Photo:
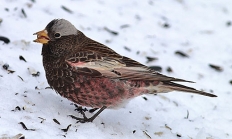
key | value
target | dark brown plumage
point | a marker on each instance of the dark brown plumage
(91, 74)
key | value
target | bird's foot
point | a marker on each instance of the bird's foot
(86, 119)
(82, 111)
(82, 120)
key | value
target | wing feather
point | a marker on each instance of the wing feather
(123, 68)
(102, 61)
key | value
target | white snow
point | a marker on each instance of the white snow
(198, 28)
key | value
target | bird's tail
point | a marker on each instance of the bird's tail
(167, 86)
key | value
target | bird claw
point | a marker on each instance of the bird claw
(81, 120)
(82, 111)
(79, 108)
(86, 119)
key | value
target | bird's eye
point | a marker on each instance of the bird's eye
(57, 35)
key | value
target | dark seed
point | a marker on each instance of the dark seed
(181, 54)
(156, 68)
(145, 98)
(10, 71)
(18, 108)
(6, 9)
(228, 23)
(231, 82)
(169, 69)
(126, 48)
(36, 74)
(151, 2)
(5, 66)
(138, 17)
(56, 121)
(4, 39)
(66, 9)
(217, 68)
(166, 25)
(125, 26)
(110, 31)
(150, 59)
(24, 13)
(22, 58)
(134, 131)
(178, 135)
(66, 130)
(108, 41)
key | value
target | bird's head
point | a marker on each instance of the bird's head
(55, 30)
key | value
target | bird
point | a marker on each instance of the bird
(92, 74)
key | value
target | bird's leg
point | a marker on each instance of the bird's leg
(85, 119)
(96, 114)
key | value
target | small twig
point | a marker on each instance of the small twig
(42, 119)
(20, 77)
(147, 134)
(24, 13)
(24, 126)
(110, 31)
(217, 68)
(4, 39)
(181, 54)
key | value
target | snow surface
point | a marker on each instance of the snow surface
(157, 28)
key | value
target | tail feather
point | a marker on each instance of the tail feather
(167, 86)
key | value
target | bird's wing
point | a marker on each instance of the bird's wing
(112, 65)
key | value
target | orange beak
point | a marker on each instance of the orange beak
(42, 37)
